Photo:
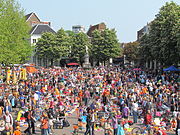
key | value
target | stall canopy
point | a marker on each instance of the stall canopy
(137, 69)
(171, 68)
(31, 69)
(72, 64)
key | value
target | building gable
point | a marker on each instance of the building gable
(32, 19)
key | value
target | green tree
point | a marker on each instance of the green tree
(53, 46)
(96, 42)
(78, 46)
(131, 51)
(70, 33)
(46, 47)
(62, 43)
(145, 49)
(14, 44)
(164, 34)
(104, 45)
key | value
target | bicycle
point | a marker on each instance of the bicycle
(143, 130)
(136, 131)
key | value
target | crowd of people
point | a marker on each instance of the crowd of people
(105, 99)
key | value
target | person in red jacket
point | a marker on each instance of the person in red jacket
(148, 118)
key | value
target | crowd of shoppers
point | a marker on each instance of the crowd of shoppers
(110, 98)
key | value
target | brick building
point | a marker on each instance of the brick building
(100, 27)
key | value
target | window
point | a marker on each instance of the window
(34, 40)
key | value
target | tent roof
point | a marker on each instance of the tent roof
(171, 68)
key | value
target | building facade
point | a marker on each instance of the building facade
(150, 64)
(78, 29)
(143, 31)
(37, 29)
(100, 27)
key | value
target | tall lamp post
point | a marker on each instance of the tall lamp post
(124, 55)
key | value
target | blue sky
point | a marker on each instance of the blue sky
(126, 16)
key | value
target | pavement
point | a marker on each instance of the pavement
(73, 120)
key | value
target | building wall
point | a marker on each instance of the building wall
(33, 20)
(78, 29)
(100, 27)
(34, 37)
(33, 59)
(143, 31)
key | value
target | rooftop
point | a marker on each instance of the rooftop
(41, 28)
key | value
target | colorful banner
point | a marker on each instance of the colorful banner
(14, 77)
(8, 76)
(23, 74)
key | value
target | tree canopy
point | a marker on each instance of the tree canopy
(62, 44)
(105, 45)
(131, 50)
(78, 46)
(46, 47)
(163, 39)
(101, 46)
(14, 44)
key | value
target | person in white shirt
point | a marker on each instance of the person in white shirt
(135, 111)
(36, 96)
(8, 120)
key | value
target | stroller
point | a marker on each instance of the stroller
(60, 120)
(59, 123)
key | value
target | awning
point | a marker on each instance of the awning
(137, 69)
(31, 69)
(171, 68)
(72, 64)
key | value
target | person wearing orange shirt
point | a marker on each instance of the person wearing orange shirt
(144, 90)
(44, 125)
(17, 131)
